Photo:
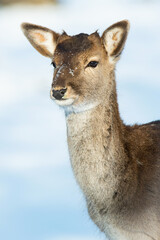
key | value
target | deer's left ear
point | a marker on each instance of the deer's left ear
(114, 39)
(42, 39)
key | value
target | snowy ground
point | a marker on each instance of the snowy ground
(39, 199)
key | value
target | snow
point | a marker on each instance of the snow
(73, 238)
(71, 71)
(39, 198)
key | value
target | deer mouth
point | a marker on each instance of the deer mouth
(64, 102)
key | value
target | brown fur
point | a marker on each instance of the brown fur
(116, 166)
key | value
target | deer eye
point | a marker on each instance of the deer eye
(54, 65)
(92, 64)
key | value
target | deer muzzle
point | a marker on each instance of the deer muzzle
(59, 94)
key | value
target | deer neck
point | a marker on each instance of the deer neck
(97, 151)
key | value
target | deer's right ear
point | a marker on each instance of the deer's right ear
(42, 39)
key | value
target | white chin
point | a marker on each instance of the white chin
(66, 102)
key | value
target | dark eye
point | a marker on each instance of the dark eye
(54, 65)
(92, 64)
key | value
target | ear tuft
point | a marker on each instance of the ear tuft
(42, 39)
(114, 39)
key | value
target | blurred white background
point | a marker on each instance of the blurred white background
(39, 198)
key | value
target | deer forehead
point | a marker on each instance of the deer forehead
(77, 48)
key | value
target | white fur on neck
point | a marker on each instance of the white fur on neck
(80, 108)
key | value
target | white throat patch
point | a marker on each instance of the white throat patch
(79, 108)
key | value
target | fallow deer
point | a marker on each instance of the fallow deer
(117, 166)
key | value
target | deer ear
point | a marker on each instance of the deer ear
(42, 39)
(114, 39)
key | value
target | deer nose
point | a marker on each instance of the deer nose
(58, 94)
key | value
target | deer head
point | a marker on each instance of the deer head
(82, 63)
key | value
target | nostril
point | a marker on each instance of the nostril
(63, 91)
(58, 94)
